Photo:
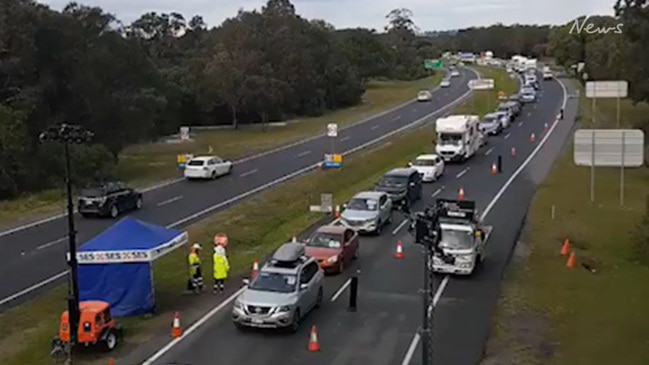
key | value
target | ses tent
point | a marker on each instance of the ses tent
(116, 265)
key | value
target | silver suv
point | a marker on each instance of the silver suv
(368, 212)
(286, 288)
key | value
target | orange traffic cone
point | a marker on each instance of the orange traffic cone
(571, 261)
(513, 152)
(399, 253)
(460, 195)
(494, 169)
(565, 249)
(314, 345)
(111, 361)
(532, 138)
(176, 331)
(337, 211)
(255, 268)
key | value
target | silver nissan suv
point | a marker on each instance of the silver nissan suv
(286, 288)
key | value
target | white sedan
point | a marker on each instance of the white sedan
(207, 167)
(455, 73)
(424, 95)
(430, 167)
(445, 83)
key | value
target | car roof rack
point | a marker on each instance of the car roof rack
(289, 255)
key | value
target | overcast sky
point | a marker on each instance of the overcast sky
(428, 14)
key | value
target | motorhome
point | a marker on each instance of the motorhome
(457, 137)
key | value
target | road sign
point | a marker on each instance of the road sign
(481, 84)
(221, 239)
(580, 66)
(607, 89)
(332, 130)
(433, 64)
(326, 204)
(184, 133)
(333, 160)
(609, 147)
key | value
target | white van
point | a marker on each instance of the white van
(458, 137)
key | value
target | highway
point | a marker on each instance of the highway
(41, 247)
(383, 331)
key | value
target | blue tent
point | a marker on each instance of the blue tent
(115, 266)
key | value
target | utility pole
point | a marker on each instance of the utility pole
(70, 134)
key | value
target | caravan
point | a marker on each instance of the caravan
(458, 137)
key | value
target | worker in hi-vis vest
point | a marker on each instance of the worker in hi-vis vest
(195, 282)
(221, 269)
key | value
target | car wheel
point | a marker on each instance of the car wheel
(230, 169)
(213, 176)
(295, 324)
(114, 211)
(111, 340)
(318, 301)
(138, 203)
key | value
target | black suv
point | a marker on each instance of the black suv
(403, 185)
(108, 200)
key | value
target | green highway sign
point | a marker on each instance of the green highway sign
(433, 64)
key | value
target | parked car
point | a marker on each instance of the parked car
(503, 117)
(403, 185)
(207, 167)
(108, 200)
(515, 107)
(491, 124)
(528, 95)
(508, 110)
(334, 247)
(430, 167)
(455, 73)
(367, 212)
(285, 290)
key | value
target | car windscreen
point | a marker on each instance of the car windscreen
(390, 181)
(92, 193)
(456, 239)
(363, 204)
(196, 163)
(423, 162)
(449, 139)
(274, 282)
(325, 240)
(489, 119)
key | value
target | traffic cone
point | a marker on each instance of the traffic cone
(494, 168)
(314, 345)
(460, 195)
(111, 361)
(399, 253)
(571, 261)
(513, 152)
(176, 331)
(532, 138)
(337, 211)
(565, 249)
(255, 268)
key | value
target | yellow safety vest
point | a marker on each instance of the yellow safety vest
(221, 267)
(194, 263)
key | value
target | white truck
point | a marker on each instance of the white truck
(531, 64)
(458, 137)
(463, 238)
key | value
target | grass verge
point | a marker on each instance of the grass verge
(25, 331)
(485, 101)
(549, 314)
(145, 164)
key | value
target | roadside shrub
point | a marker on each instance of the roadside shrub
(640, 238)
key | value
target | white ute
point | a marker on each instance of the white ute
(458, 137)
(207, 167)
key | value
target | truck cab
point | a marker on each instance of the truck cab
(463, 238)
(458, 137)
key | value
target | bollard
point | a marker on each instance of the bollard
(353, 293)
(561, 114)
(500, 163)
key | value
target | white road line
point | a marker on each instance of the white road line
(374, 127)
(438, 191)
(403, 223)
(492, 203)
(305, 153)
(461, 173)
(488, 151)
(529, 114)
(415, 340)
(396, 118)
(344, 138)
(520, 124)
(46, 245)
(341, 290)
(32, 288)
(508, 135)
(248, 173)
(169, 201)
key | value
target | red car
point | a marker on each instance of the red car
(333, 247)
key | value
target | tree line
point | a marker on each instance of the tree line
(135, 82)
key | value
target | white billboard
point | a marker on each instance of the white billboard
(607, 89)
(482, 84)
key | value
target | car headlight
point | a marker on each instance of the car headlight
(238, 304)
(283, 309)
(332, 259)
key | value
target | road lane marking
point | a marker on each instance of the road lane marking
(415, 341)
(520, 124)
(248, 173)
(302, 154)
(344, 139)
(374, 127)
(438, 191)
(46, 245)
(488, 152)
(396, 118)
(403, 223)
(461, 173)
(32, 288)
(169, 201)
(507, 135)
(341, 290)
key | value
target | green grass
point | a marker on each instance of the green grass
(145, 164)
(549, 314)
(485, 101)
(25, 331)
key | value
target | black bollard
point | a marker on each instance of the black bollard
(561, 114)
(500, 163)
(353, 293)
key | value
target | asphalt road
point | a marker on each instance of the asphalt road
(41, 248)
(382, 332)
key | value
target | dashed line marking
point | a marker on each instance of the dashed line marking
(169, 201)
(302, 154)
(488, 151)
(461, 173)
(248, 173)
